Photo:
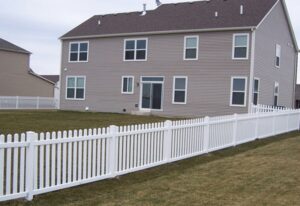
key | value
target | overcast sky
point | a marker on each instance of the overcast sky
(36, 25)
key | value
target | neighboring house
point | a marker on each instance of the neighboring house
(297, 97)
(17, 79)
(55, 80)
(187, 59)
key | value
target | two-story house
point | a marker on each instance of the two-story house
(211, 57)
(16, 76)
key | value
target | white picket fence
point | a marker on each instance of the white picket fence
(32, 164)
(16, 102)
(267, 108)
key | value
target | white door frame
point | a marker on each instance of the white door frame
(151, 82)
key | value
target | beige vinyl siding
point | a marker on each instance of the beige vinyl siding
(15, 79)
(274, 30)
(209, 77)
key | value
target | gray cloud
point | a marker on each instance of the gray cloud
(36, 25)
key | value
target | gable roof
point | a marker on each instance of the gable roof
(7, 46)
(52, 78)
(199, 15)
(30, 71)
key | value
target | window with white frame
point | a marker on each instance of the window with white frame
(255, 91)
(135, 50)
(191, 47)
(278, 55)
(276, 93)
(238, 91)
(127, 84)
(79, 51)
(240, 46)
(179, 89)
(75, 87)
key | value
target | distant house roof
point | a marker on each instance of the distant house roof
(40, 77)
(176, 17)
(52, 78)
(7, 46)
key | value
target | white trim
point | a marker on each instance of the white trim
(245, 91)
(277, 52)
(66, 89)
(252, 68)
(174, 90)
(158, 32)
(258, 90)
(141, 93)
(135, 50)
(185, 48)
(79, 42)
(269, 12)
(234, 46)
(288, 20)
(122, 89)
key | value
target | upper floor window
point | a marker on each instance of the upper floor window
(255, 91)
(276, 93)
(179, 90)
(278, 55)
(238, 91)
(75, 87)
(191, 47)
(127, 84)
(135, 50)
(79, 52)
(240, 46)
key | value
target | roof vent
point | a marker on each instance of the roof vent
(99, 22)
(241, 9)
(144, 10)
(158, 3)
(216, 14)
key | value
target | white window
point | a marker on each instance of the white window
(135, 49)
(75, 89)
(179, 89)
(191, 47)
(127, 84)
(256, 91)
(276, 93)
(78, 51)
(278, 55)
(238, 91)
(240, 46)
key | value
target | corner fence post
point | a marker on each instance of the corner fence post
(235, 122)
(206, 134)
(30, 161)
(113, 130)
(167, 140)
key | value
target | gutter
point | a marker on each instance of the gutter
(158, 32)
(30, 71)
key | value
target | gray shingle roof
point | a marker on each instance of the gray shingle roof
(180, 16)
(7, 46)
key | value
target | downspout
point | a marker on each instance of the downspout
(251, 77)
(295, 80)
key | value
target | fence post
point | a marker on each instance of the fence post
(256, 125)
(30, 161)
(273, 123)
(235, 117)
(206, 134)
(113, 130)
(37, 102)
(167, 140)
(17, 102)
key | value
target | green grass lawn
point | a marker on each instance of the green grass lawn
(43, 121)
(264, 172)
